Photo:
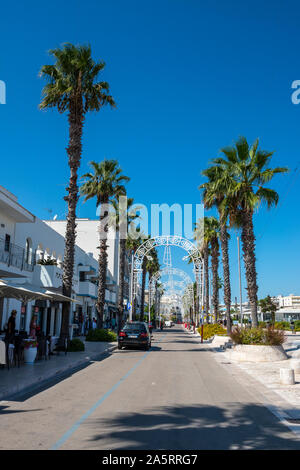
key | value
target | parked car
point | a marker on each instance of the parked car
(136, 334)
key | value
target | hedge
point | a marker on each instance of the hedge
(101, 335)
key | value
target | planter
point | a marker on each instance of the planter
(30, 355)
(256, 353)
(220, 340)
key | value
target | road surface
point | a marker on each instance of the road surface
(176, 396)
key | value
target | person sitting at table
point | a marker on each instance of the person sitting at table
(11, 325)
(32, 328)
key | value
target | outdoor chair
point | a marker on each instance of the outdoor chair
(19, 350)
(61, 345)
(42, 350)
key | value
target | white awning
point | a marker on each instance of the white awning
(58, 297)
(27, 293)
(20, 293)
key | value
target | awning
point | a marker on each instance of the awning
(26, 293)
(19, 292)
(58, 297)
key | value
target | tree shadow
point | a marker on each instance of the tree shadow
(5, 411)
(234, 426)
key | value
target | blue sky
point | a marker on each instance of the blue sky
(188, 77)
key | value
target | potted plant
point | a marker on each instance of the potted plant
(257, 345)
(30, 350)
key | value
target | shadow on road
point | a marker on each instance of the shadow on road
(5, 411)
(236, 426)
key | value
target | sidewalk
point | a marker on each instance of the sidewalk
(263, 378)
(28, 376)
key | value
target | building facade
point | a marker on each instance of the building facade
(25, 243)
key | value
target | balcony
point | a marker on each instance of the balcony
(87, 289)
(14, 255)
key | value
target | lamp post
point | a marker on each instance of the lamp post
(131, 287)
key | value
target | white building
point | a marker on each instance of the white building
(88, 239)
(288, 301)
(24, 241)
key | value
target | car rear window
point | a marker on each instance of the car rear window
(133, 326)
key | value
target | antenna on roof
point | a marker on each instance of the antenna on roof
(55, 217)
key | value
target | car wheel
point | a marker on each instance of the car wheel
(119, 346)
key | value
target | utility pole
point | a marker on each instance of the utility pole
(240, 282)
(131, 287)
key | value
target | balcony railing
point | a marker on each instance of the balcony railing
(14, 255)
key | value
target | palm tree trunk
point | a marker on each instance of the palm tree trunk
(226, 273)
(215, 265)
(144, 267)
(206, 282)
(74, 149)
(248, 241)
(102, 260)
(122, 246)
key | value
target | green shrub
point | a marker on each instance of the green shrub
(76, 345)
(212, 329)
(264, 337)
(282, 325)
(262, 324)
(101, 335)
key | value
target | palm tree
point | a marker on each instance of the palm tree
(246, 170)
(214, 194)
(211, 237)
(132, 244)
(106, 185)
(202, 237)
(144, 274)
(72, 88)
(152, 266)
(117, 222)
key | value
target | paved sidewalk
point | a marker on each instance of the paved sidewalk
(28, 376)
(264, 377)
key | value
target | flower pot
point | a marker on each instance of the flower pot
(30, 355)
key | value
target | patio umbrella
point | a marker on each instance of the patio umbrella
(20, 293)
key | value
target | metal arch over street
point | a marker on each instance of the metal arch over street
(169, 240)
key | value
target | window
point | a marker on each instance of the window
(28, 251)
(7, 242)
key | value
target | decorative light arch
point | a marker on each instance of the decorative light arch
(169, 240)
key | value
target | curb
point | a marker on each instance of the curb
(40, 381)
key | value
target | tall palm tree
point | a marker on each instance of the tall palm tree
(211, 237)
(214, 194)
(133, 242)
(131, 215)
(152, 266)
(106, 185)
(73, 88)
(202, 236)
(144, 274)
(247, 171)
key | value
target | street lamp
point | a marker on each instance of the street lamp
(240, 282)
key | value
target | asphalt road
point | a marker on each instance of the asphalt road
(176, 396)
